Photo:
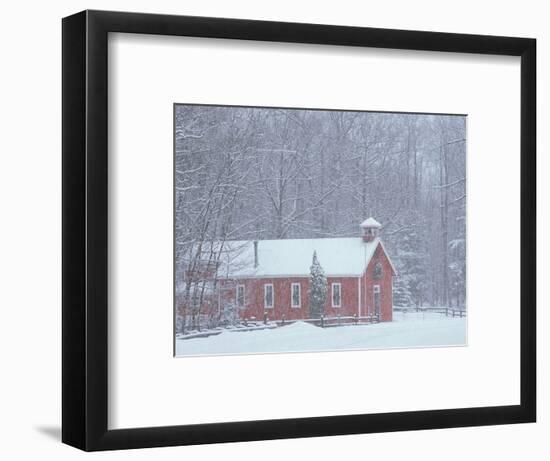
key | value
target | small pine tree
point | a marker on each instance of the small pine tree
(401, 294)
(411, 263)
(457, 269)
(317, 289)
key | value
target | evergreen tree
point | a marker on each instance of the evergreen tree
(457, 269)
(401, 294)
(317, 289)
(411, 264)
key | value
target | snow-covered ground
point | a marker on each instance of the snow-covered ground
(406, 330)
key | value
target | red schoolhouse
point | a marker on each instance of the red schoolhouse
(271, 277)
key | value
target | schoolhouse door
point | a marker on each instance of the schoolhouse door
(376, 293)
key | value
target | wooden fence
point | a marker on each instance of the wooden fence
(326, 322)
(448, 311)
(323, 322)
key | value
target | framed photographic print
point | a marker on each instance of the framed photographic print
(273, 228)
(279, 230)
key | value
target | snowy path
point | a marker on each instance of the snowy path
(407, 330)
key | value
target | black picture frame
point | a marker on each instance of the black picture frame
(85, 218)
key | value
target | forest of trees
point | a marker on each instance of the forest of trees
(267, 173)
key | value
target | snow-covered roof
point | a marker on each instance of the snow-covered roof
(371, 222)
(293, 257)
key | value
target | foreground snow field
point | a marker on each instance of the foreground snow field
(407, 330)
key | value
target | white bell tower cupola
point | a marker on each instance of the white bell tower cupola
(370, 229)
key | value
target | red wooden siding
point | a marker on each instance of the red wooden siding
(385, 284)
(254, 297)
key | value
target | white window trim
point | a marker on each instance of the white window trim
(332, 294)
(299, 285)
(376, 288)
(237, 295)
(272, 296)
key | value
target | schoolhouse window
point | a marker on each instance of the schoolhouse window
(268, 296)
(377, 271)
(295, 298)
(240, 296)
(336, 294)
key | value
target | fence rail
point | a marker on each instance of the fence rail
(448, 311)
(326, 322)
